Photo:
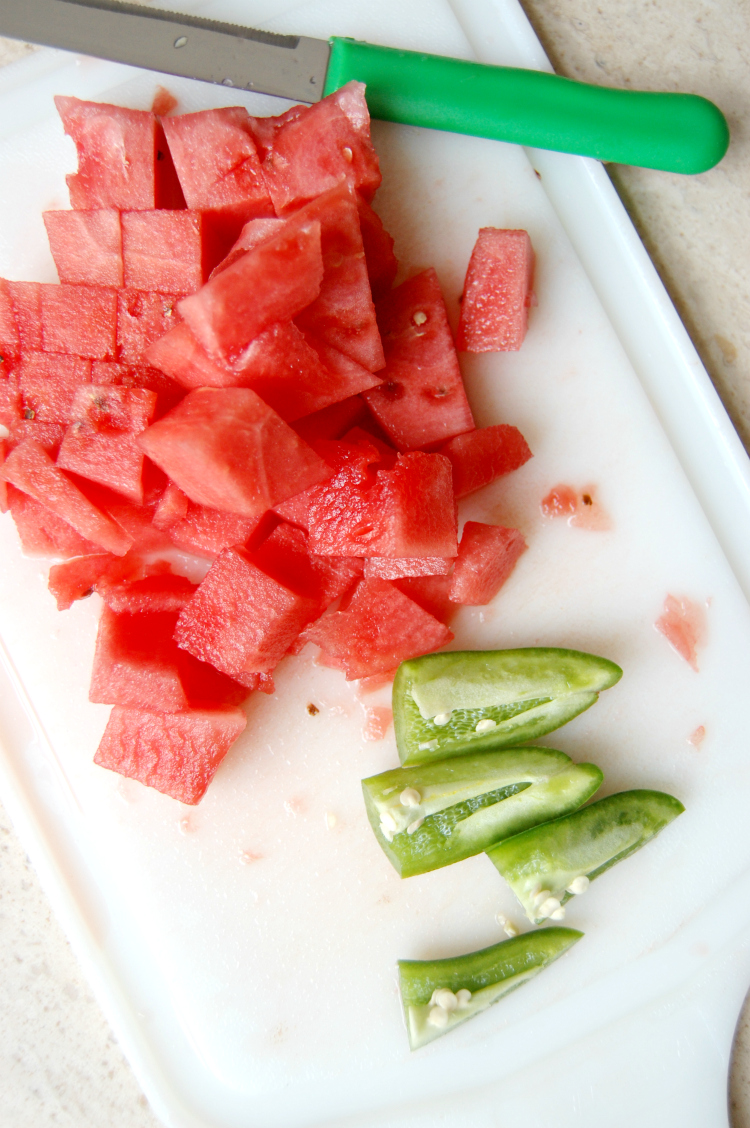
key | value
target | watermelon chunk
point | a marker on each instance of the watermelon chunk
(422, 400)
(123, 159)
(273, 282)
(481, 456)
(208, 532)
(10, 343)
(3, 484)
(49, 385)
(255, 232)
(343, 314)
(100, 443)
(380, 628)
(168, 392)
(143, 318)
(30, 468)
(431, 593)
(48, 435)
(382, 264)
(399, 567)
(314, 148)
(225, 448)
(331, 422)
(26, 299)
(11, 407)
(42, 532)
(81, 320)
(80, 577)
(284, 555)
(86, 246)
(167, 251)
(497, 292)
(486, 557)
(148, 594)
(240, 619)
(175, 753)
(173, 507)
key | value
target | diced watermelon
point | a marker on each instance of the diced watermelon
(497, 292)
(486, 557)
(11, 407)
(41, 531)
(208, 532)
(273, 282)
(382, 265)
(344, 500)
(10, 342)
(176, 753)
(172, 507)
(29, 468)
(142, 318)
(100, 443)
(380, 628)
(331, 422)
(179, 355)
(240, 619)
(167, 251)
(80, 320)
(225, 448)
(149, 595)
(255, 232)
(432, 593)
(343, 314)
(284, 556)
(312, 149)
(3, 483)
(82, 575)
(135, 663)
(399, 567)
(422, 400)
(136, 520)
(218, 166)
(86, 246)
(49, 384)
(26, 298)
(123, 159)
(168, 392)
(481, 456)
(48, 435)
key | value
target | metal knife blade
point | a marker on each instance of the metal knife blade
(289, 66)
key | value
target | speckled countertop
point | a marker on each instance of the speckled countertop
(59, 1063)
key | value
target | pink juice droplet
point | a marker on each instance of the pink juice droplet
(696, 738)
(683, 624)
(378, 720)
(581, 508)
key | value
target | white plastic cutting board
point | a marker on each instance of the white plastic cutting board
(244, 950)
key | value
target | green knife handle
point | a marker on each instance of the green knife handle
(676, 132)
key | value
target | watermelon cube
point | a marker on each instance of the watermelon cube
(142, 318)
(207, 532)
(380, 628)
(148, 594)
(30, 468)
(273, 282)
(123, 159)
(10, 342)
(82, 575)
(400, 567)
(3, 483)
(432, 593)
(382, 265)
(42, 532)
(48, 435)
(497, 292)
(167, 251)
(135, 663)
(81, 320)
(314, 148)
(331, 422)
(228, 450)
(26, 298)
(49, 384)
(481, 456)
(240, 619)
(255, 232)
(86, 246)
(179, 355)
(422, 401)
(175, 753)
(11, 406)
(486, 557)
(284, 555)
(168, 392)
(173, 507)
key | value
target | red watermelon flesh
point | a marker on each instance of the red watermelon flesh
(3, 484)
(431, 593)
(143, 317)
(123, 160)
(240, 619)
(86, 246)
(382, 265)
(49, 436)
(41, 531)
(168, 392)
(386, 454)
(317, 147)
(167, 251)
(225, 448)
(179, 355)
(331, 422)
(82, 575)
(399, 567)
(344, 496)
(497, 292)
(10, 343)
(173, 507)
(486, 557)
(26, 298)
(29, 468)
(80, 320)
(255, 232)
(208, 532)
(11, 407)
(284, 556)
(343, 314)
(422, 400)
(175, 753)
(273, 282)
(49, 384)
(380, 628)
(481, 456)
(149, 594)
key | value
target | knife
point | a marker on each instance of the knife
(675, 132)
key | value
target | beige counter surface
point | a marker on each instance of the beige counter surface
(59, 1063)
